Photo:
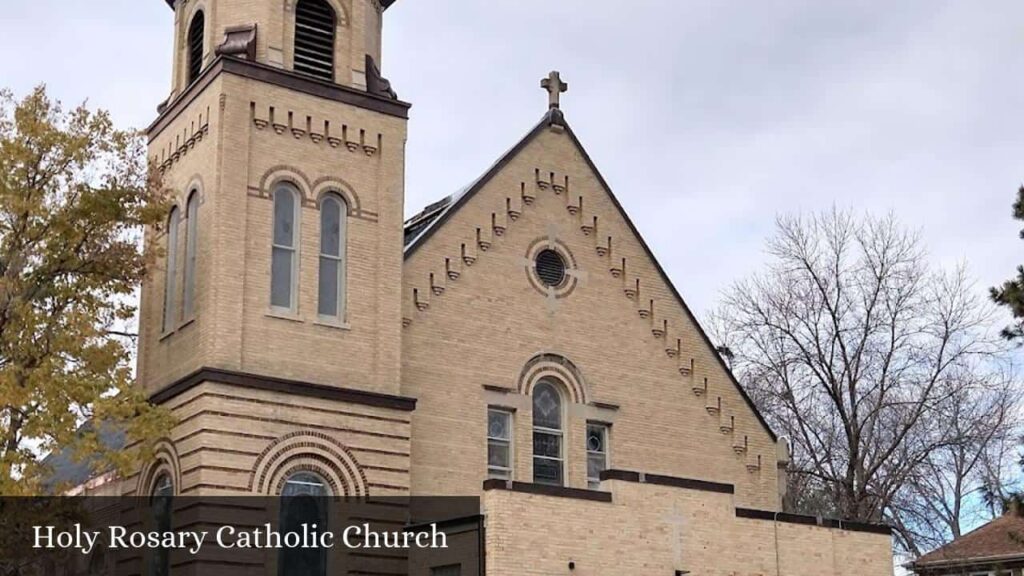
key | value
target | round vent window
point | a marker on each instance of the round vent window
(550, 267)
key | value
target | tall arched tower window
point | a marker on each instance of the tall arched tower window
(170, 280)
(548, 458)
(191, 243)
(304, 500)
(196, 36)
(161, 505)
(332, 257)
(315, 23)
(284, 260)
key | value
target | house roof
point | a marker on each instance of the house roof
(999, 540)
(422, 226)
(67, 469)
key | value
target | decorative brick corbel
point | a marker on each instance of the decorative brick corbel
(482, 243)
(436, 288)
(527, 196)
(716, 408)
(467, 258)
(740, 447)
(727, 426)
(512, 213)
(632, 291)
(699, 389)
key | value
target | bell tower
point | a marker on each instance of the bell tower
(283, 147)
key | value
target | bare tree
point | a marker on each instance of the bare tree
(868, 360)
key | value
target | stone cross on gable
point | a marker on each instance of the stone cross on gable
(555, 87)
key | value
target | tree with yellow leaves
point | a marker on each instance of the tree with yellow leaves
(75, 196)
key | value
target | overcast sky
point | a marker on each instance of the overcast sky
(706, 117)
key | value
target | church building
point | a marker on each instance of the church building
(516, 341)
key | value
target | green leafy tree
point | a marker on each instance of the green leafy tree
(1011, 293)
(75, 195)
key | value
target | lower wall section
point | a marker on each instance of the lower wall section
(662, 530)
(242, 440)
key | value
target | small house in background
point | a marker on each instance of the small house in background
(995, 549)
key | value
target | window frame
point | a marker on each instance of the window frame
(188, 298)
(294, 249)
(341, 305)
(558, 433)
(606, 433)
(494, 472)
(170, 306)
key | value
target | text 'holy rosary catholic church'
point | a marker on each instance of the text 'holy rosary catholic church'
(516, 342)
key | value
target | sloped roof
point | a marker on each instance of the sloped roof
(65, 469)
(421, 227)
(1000, 539)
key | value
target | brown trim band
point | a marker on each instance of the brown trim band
(284, 386)
(848, 525)
(276, 77)
(545, 490)
(673, 481)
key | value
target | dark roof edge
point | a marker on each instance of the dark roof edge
(556, 117)
(848, 525)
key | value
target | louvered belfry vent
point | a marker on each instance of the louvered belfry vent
(314, 39)
(196, 32)
(550, 268)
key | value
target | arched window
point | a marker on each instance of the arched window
(548, 459)
(170, 280)
(304, 500)
(191, 240)
(315, 23)
(333, 213)
(284, 260)
(161, 507)
(196, 36)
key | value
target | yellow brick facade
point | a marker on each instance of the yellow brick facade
(393, 398)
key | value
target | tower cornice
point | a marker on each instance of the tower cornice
(277, 77)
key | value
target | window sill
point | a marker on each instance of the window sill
(284, 315)
(335, 324)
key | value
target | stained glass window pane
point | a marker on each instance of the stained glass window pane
(284, 217)
(595, 438)
(595, 465)
(497, 454)
(548, 445)
(171, 270)
(547, 407)
(547, 471)
(281, 278)
(498, 424)
(328, 299)
(330, 227)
